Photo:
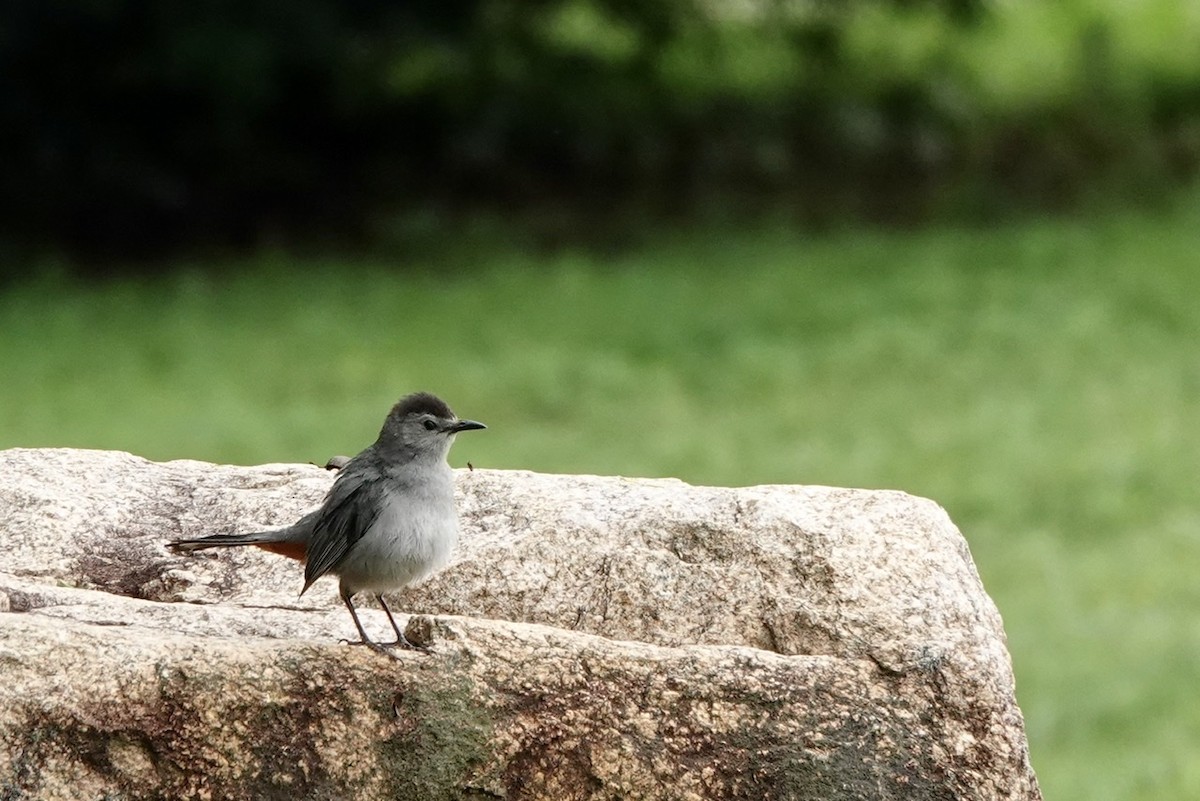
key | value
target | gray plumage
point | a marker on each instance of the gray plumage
(389, 518)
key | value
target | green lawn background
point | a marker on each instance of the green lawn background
(1041, 380)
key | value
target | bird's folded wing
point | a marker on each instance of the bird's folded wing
(350, 510)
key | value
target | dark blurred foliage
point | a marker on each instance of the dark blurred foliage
(147, 127)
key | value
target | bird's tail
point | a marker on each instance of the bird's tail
(281, 542)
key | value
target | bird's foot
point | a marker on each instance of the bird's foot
(381, 648)
(408, 645)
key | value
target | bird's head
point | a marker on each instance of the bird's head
(424, 423)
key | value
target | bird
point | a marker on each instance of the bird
(389, 519)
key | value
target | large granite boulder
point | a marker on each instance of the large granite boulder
(594, 638)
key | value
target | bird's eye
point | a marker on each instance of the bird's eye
(430, 425)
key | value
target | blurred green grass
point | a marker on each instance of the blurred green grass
(1041, 380)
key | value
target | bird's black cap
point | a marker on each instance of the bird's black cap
(421, 403)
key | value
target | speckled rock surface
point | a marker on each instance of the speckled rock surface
(594, 638)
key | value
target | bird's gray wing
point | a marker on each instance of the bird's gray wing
(349, 511)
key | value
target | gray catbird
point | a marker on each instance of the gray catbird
(388, 520)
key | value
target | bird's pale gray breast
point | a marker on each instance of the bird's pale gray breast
(411, 537)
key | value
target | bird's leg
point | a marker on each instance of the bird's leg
(401, 640)
(367, 641)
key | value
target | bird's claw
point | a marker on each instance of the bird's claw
(409, 645)
(381, 648)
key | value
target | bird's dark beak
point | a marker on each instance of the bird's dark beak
(463, 425)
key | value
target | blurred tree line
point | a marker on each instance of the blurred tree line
(136, 127)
